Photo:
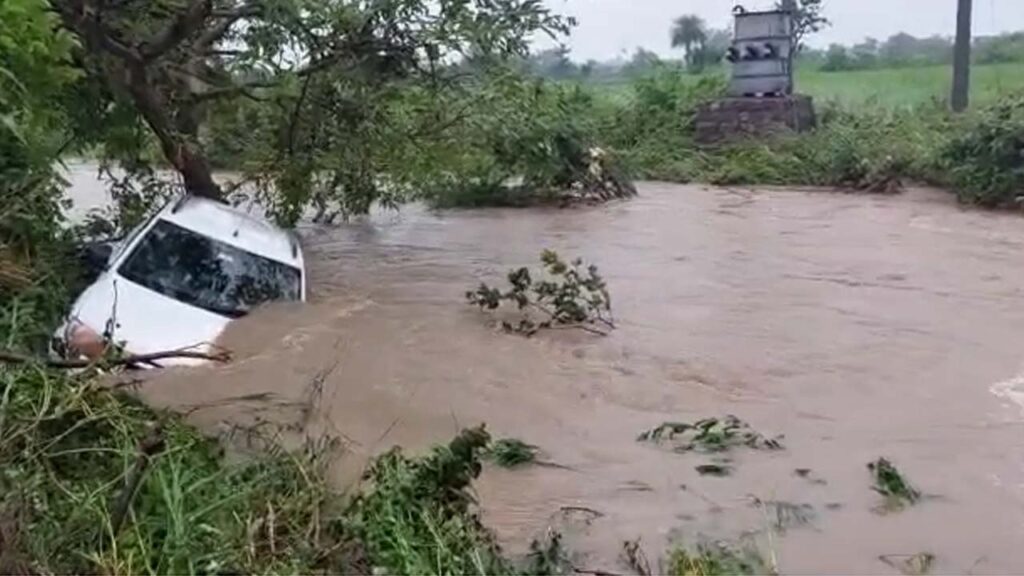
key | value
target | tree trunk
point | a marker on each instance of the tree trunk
(134, 75)
(962, 57)
(183, 154)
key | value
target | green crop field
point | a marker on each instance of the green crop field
(908, 86)
(887, 87)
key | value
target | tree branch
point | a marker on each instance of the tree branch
(75, 17)
(9, 357)
(186, 23)
(149, 447)
(234, 90)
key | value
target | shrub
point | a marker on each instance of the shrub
(872, 150)
(653, 129)
(533, 143)
(985, 159)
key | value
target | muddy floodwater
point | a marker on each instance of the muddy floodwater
(853, 326)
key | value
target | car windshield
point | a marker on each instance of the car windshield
(203, 272)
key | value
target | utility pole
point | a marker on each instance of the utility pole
(962, 57)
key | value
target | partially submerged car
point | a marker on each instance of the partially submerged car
(178, 279)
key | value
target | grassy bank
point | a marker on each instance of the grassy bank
(95, 482)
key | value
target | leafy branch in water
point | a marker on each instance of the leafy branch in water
(572, 296)
(710, 435)
(891, 484)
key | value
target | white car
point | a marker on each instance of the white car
(178, 279)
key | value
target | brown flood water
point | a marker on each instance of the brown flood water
(855, 326)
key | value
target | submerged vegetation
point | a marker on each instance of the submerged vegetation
(710, 435)
(717, 560)
(511, 452)
(890, 483)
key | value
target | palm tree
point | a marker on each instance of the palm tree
(690, 34)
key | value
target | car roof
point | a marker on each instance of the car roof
(232, 226)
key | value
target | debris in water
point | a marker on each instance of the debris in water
(808, 474)
(785, 515)
(891, 484)
(710, 435)
(635, 557)
(589, 512)
(716, 470)
(636, 486)
(549, 557)
(910, 565)
(511, 452)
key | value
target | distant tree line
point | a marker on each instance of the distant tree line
(556, 64)
(904, 50)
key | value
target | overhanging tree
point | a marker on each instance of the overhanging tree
(171, 61)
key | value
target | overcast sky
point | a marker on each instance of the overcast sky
(609, 27)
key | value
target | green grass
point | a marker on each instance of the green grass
(889, 87)
(908, 86)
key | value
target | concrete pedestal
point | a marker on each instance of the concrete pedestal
(732, 119)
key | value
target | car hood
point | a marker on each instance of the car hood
(145, 321)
